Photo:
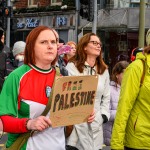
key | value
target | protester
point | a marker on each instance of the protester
(17, 59)
(6, 49)
(71, 53)
(62, 49)
(88, 61)
(2, 35)
(18, 52)
(134, 52)
(27, 90)
(132, 122)
(116, 79)
(3, 57)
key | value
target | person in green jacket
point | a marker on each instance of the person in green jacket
(132, 123)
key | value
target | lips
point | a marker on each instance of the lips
(49, 52)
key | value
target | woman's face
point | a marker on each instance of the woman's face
(45, 48)
(3, 38)
(120, 76)
(73, 51)
(93, 48)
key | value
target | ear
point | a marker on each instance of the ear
(117, 76)
(85, 48)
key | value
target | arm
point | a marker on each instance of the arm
(105, 104)
(14, 125)
(21, 125)
(9, 113)
(114, 98)
(72, 70)
(112, 115)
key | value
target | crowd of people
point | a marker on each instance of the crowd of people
(120, 117)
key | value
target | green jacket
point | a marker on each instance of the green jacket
(132, 122)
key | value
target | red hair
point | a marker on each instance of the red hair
(29, 55)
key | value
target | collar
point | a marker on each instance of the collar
(41, 70)
(91, 70)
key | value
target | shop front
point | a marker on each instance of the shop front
(64, 25)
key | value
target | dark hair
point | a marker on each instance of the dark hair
(30, 43)
(61, 41)
(1, 33)
(117, 69)
(80, 56)
(1, 46)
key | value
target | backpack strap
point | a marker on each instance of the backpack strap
(48, 106)
(143, 74)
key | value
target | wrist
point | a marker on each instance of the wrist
(27, 124)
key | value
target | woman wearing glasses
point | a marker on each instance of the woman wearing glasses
(88, 61)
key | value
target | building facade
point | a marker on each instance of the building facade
(32, 13)
(117, 24)
(118, 27)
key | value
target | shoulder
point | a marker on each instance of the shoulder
(70, 65)
(72, 70)
(136, 67)
(105, 73)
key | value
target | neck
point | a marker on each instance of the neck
(43, 66)
(68, 57)
(91, 61)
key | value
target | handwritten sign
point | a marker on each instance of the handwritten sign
(73, 99)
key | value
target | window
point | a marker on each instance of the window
(32, 3)
(56, 2)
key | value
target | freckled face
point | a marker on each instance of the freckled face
(73, 50)
(45, 47)
(120, 76)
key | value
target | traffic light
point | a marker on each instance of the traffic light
(87, 9)
(84, 8)
(90, 10)
(7, 11)
(4, 23)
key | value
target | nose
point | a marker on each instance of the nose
(99, 45)
(73, 48)
(49, 45)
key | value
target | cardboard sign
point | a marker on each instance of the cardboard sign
(73, 99)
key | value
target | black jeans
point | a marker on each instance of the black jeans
(127, 148)
(68, 147)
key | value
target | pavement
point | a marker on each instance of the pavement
(3, 139)
(106, 148)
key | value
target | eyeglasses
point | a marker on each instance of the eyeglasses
(95, 43)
